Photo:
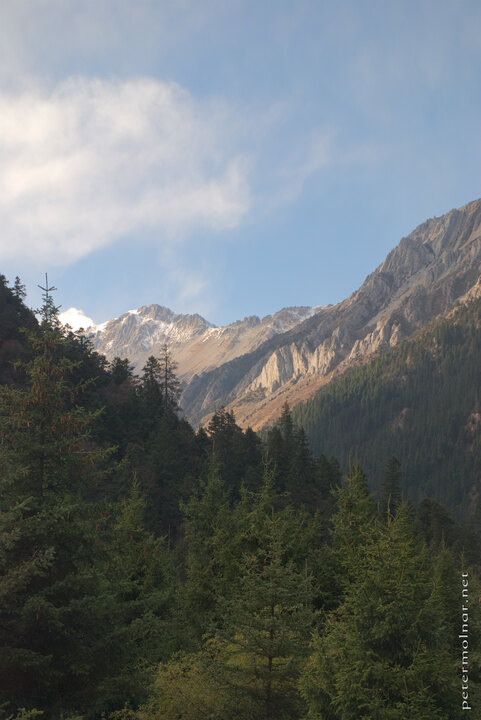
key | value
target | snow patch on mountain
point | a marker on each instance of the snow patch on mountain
(196, 344)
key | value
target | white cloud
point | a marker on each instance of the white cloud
(94, 159)
(75, 318)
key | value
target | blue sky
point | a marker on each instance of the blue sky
(228, 158)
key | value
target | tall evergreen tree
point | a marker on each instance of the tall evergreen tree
(304, 480)
(52, 611)
(169, 383)
(121, 370)
(213, 539)
(249, 663)
(387, 652)
(390, 488)
(141, 575)
(236, 453)
(151, 393)
(19, 289)
(355, 513)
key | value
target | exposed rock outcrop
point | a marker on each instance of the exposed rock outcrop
(196, 344)
(253, 366)
(436, 266)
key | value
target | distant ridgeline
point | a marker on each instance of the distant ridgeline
(420, 401)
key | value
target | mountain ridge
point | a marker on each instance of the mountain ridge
(196, 344)
(421, 278)
(253, 366)
(418, 401)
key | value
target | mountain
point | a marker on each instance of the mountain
(419, 401)
(196, 344)
(422, 278)
(255, 365)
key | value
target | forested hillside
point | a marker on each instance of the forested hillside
(150, 572)
(420, 402)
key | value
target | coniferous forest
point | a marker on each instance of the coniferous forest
(419, 401)
(153, 572)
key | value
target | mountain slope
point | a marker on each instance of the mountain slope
(196, 344)
(421, 402)
(422, 278)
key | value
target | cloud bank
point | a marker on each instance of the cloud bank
(75, 318)
(93, 160)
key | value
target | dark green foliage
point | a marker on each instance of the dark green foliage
(302, 479)
(262, 592)
(166, 462)
(237, 454)
(213, 537)
(51, 595)
(390, 488)
(389, 651)
(169, 384)
(419, 402)
(13, 316)
(437, 527)
(143, 583)
(121, 371)
(19, 289)
(186, 572)
(152, 405)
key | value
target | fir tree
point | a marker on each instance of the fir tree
(169, 383)
(391, 488)
(212, 539)
(229, 446)
(19, 289)
(386, 652)
(355, 513)
(121, 370)
(143, 582)
(150, 394)
(249, 664)
(52, 611)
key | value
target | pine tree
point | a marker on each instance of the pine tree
(391, 488)
(229, 448)
(51, 602)
(267, 627)
(385, 653)
(213, 539)
(19, 289)
(267, 619)
(297, 474)
(355, 513)
(143, 582)
(121, 370)
(168, 380)
(151, 393)
(286, 425)
(13, 316)
(249, 664)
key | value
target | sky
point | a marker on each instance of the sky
(228, 158)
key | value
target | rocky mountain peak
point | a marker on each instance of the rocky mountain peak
(254, 365)
(429, 271)
(195, 343)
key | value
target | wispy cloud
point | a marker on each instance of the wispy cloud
(289, 173)
(92, 160)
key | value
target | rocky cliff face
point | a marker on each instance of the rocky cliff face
(253, 366)
(432, 269)
(196, 345)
